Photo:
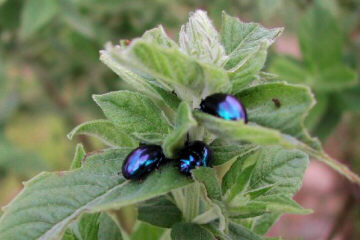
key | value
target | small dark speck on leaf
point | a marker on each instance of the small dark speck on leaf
(276, 102)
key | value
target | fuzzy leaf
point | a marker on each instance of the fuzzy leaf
(166, 66)
(246, 46)
(95, 226)
(224, 152)
(278, 203)
(158, 35)
(264, 174)
(50, 201)
(207, 176)
(267, 166)
(235, 232)
(295, 102)
(200, 39)
(105, 131)
(159, 212)
(78, 157)
(189, 231)
(239, 131)
(134, 114)
(137, 82)
(262, 224)
(36, 14)
(176, 139)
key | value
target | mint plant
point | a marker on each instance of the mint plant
(259, 166)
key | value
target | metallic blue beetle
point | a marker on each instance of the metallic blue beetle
(224, 106)
(194, 154)
(141, 161)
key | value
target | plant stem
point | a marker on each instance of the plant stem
(331, 162)
(339, 167)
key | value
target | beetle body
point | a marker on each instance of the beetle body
(193, 155)
(224, 106)
(141, 161)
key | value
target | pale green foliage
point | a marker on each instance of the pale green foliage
(36, 14)
(184, 122)
(200, 39)
(96, 226)
(78, 157)
(105, 131)
(322, 68)
(135, 114)
(259, 165)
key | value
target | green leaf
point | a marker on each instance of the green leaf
(189, 231)
(224, 152)
(295, 102)
(246, 73)
(146, 231)
(36, 14)
(86, 227)
(207, 176)
(290, 70)
(330, 117)
(199, 38)
(176, 139)
(157, 184)
(96, 226)
(320, 38)
(159, 212)
(329, 79)
(78, 157)
(262, 224)
(268, 166)
(137, 82)
(239, 131)
(264, 174)
(317, 112)
(50, 201)
(134, 114)
(246, 46)
(158, 35)
(350, 99)
(105, 131)
(108, 229)
(334, 78)
(235, 232)
(166, 66)
(277, 203)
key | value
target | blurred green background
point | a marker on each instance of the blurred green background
(49, 68)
